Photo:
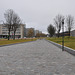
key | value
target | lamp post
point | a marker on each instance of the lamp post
(62, 34)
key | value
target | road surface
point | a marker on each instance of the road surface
(35, 58)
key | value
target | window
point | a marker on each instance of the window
(4, 32)
(17, 32)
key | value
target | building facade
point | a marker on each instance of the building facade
(37, 32)
(72, 33)
(20, 32)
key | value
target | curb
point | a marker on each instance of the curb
(69, 50)
(15, 43)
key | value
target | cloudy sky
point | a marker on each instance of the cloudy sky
(38, 13)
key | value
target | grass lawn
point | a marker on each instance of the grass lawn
(5, 41)
(69, 42)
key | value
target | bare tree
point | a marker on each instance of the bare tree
(16, 23)
(51, 30)
(70, 23)
(30, 33)
(38, 35)
(12, 21)
(58, 23)
(8, 17)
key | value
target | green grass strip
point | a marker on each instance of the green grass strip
(69, 42)
(6, 42)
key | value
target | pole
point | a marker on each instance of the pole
(62, 34)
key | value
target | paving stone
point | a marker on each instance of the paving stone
(35, 58)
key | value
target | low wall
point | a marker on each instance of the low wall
(69, 50)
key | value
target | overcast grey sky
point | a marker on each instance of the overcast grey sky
(38, 13)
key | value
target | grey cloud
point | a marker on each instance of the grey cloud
(38, 13)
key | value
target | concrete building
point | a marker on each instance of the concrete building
(37, 32)
(72, 33)
(20, 32)
(40, 32)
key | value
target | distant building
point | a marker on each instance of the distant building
(66, 33)
(40, 32)
(72, 33)
(20, 32)
(37, 32)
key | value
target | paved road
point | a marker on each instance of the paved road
(35, 58)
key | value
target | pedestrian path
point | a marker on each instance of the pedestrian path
(35, 58)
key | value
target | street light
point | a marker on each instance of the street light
(62, 34)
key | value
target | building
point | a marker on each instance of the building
(72, 33)
(37, 32)
(20, 32)
(66, 33)
(40, 32)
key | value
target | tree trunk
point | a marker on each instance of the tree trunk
(58, 34)
(9, 35)
(69, 33)
(14, 36)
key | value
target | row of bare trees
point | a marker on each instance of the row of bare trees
(69, 24)
(12, 22)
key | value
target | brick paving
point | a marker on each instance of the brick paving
(35, 58)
